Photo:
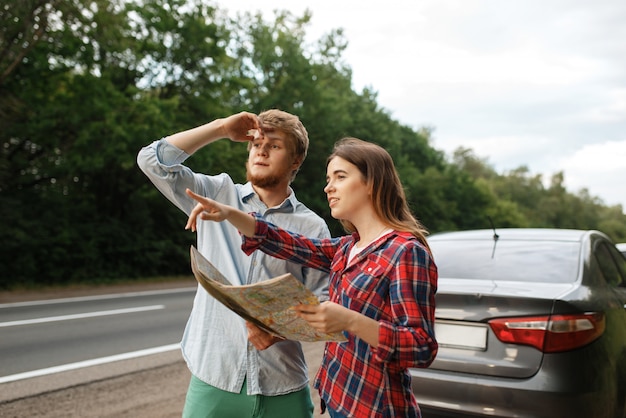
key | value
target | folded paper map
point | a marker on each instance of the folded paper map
(267, 304)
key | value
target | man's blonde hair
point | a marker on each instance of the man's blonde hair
(292, 127)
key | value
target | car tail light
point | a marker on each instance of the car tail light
(550, 333)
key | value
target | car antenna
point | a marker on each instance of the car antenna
(495, 236)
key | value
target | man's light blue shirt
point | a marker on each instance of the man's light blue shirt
(215, 344)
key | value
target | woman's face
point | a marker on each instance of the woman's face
(346, 190)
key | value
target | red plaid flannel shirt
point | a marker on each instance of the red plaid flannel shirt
(393, 280)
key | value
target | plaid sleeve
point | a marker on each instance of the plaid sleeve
(251, 244)
(277, 242)
(409, 338)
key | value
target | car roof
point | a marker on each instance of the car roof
(515, 233)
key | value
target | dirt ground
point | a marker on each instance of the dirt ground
(147, 388)
(157, 392)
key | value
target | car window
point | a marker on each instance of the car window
(609, 264)
(620, 260)
(621, 266)
(528, 261)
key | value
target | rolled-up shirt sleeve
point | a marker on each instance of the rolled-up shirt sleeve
(251, 244)
(409, 338)
(162, 163)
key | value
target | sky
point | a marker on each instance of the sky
(534, 83)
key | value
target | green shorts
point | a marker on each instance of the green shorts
(206, 401)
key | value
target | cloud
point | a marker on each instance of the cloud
(521, 82)
(600, 168)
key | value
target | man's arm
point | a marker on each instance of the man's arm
(235, 127)
(162, 160)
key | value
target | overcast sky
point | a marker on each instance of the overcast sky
(540, 83)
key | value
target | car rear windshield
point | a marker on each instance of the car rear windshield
(528, 261)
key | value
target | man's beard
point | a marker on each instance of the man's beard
(268, 181)
(264, 182)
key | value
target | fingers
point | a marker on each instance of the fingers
(193, 216)
(325, 317)
(196, 197)
(260, 339)
(204, 204)
(242, 127)
(306, 309)
(254, 134)
(191, 223)
(306, 312)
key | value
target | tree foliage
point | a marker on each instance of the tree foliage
(84, 84)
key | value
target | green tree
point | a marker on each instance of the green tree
(84, 84)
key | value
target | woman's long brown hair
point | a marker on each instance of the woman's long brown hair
(379, 173)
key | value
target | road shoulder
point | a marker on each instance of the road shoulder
(143, 387)
(27, 295)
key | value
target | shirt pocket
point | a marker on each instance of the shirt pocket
(365, 282)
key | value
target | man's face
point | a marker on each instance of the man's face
(270, 160)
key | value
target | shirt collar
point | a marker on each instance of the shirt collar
(247, 191)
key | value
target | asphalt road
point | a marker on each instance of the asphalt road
(99, 353)
(43, 334)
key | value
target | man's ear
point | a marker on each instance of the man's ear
(297, 162)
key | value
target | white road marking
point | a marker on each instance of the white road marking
(96, 297)
(80, 316)
(88, 363)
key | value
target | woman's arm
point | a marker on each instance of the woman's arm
(259, 234)
(210, 210)
(331, 317)
(409, 337)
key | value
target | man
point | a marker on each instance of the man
(237, 369)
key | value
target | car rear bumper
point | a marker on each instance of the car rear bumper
(454, 395)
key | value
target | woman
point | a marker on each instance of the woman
(382, 282)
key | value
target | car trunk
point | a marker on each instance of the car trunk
(466, 342)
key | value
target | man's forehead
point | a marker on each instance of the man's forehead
(267, 132)
(274, 135)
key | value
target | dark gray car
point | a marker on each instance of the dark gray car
(530, 322)
(622, 248)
